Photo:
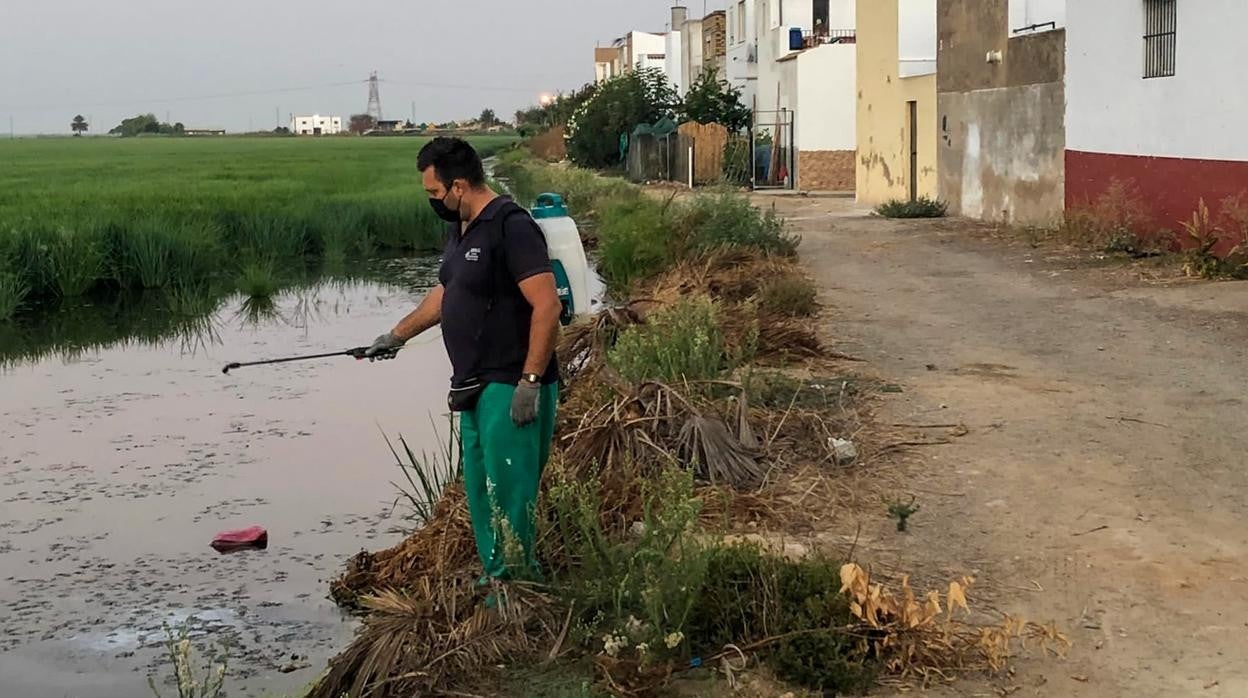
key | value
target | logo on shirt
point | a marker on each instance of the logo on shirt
(473, 255)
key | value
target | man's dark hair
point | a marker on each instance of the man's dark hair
(452, 159)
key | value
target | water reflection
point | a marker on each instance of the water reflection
(189, 318)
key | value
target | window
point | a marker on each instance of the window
(1160, 40)
(741, 21)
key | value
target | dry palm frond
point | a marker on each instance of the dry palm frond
(441, 548)
(708, 445)
(583, 345)
(436, 635)
(731, 275)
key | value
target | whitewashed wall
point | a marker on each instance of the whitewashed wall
(916, 37)
(1024, 13)
(826, 104)
(1201, 112)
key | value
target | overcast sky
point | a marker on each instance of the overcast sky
(110, 60)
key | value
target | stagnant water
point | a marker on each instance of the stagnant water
(123, 450)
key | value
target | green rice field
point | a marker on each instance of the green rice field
(104, 216)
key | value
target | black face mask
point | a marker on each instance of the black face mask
(446, 213)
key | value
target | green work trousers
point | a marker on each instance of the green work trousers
(502, 473)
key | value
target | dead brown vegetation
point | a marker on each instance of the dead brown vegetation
(759, 443)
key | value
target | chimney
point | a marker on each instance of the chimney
(679, 14)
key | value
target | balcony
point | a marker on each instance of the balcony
(819, 37)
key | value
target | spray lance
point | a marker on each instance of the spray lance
(358, 353)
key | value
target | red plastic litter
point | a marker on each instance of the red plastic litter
(253, 537)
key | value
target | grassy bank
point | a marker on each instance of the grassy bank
(700, 412)
(99, 216)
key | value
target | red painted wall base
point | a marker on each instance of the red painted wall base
(1170, 187)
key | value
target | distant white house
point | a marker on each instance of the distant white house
(316, 125)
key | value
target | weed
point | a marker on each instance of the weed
(1218, 249)
(159, 253)
(210, 684)
(641, 589)
(77, 259)
(12, 292)
(755, 595)
(726, 219)
(1114, 222)
(902, 511)
(258, 279)
(635, 242)
(682, 342)
(792, 295)
(922, 207)
(433, 472)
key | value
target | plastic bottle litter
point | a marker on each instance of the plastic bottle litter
(844, 451)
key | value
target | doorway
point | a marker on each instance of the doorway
(912, 121)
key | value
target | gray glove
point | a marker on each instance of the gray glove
(384, 347)
(524, 403)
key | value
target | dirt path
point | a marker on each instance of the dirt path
(1103, 481)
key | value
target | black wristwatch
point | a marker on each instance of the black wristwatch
(531, 378)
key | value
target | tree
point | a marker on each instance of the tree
(361, 123)
(144, 123)
(615, 108)
(487, 118)
(714, 101)
(79, 125)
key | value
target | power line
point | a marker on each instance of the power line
(168, 100)
(463, 86)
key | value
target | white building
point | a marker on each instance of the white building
(645, 50)
(742, 62)
(1155, 96)
(691, 44)
(315, 125)
(805, 86)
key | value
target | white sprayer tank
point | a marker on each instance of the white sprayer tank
(567, 255)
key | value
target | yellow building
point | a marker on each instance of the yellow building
(896, 100)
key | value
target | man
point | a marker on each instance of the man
(499, 311)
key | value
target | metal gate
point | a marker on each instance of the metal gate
(774, 159)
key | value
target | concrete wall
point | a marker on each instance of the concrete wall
(883, 167)
(1002, 153)
(1001, 125)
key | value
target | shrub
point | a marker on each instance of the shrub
(751, 594)
(682, 342)
(1113, 222)
(615, 108)
(635, 240)
(922, 207)
(792, 295)
(727, 219)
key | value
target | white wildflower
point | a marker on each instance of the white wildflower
(674, 639)
(612, 644)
